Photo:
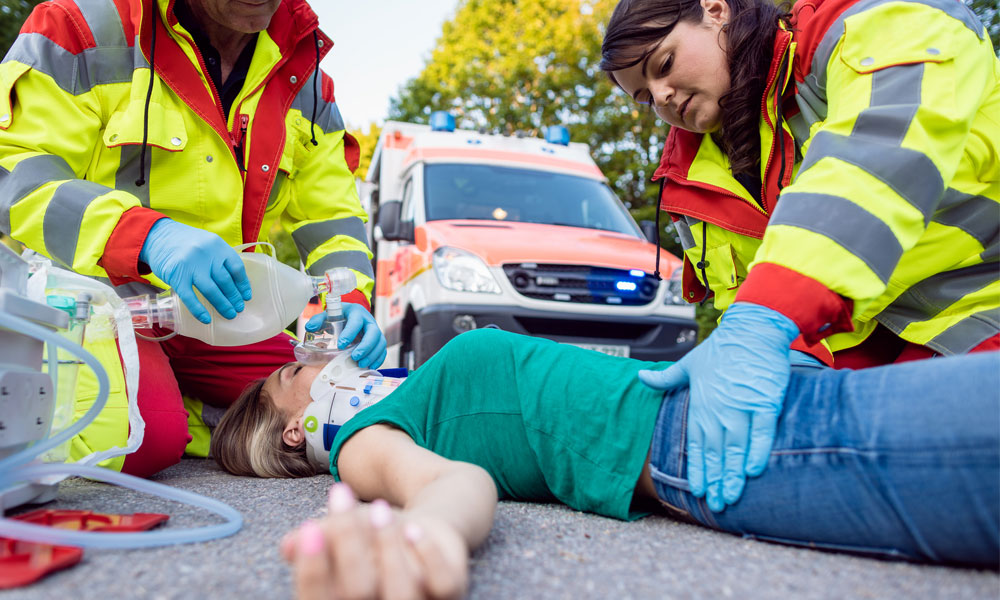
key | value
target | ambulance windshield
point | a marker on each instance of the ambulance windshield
(485, 192)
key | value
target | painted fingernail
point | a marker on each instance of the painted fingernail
(310, 538)
(341, 498)
(413, 532)
(381, 514)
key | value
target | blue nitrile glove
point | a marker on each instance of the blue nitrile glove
(371, 349)
(183, 256)
(738, 378)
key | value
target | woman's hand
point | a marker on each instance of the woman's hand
(368, 551)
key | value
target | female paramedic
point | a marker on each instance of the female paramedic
(911, 455)
(833, 175)
(140, 140)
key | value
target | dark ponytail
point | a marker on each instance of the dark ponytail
(750, 40)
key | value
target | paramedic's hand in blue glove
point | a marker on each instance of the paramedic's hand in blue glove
(184, 256)
(371, 349)
(738, 378)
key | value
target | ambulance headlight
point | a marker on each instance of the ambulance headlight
(675, 288)
(463, 271)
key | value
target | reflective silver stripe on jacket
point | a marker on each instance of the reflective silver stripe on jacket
(328, 117)
(351, 259)
(967, 333)
(928, 298)
(874, 146)
(854, 228)
(811, 95)
(128, 172)
(104, 22)
(75, 74)
(64, 216)
(683, 228)
(27, 176)
(312, 235)
(977, 216)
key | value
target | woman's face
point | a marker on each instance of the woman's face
(686, 74)
(288, 388)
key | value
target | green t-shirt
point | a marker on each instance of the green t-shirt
(548, 421)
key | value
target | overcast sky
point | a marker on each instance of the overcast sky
(378, 45)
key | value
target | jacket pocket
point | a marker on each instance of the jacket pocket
(10, 72)
(164, 129)
(298, 145)
(865, 49)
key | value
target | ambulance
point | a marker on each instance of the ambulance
(518, 233)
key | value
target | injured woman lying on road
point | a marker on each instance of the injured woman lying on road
(899, 461)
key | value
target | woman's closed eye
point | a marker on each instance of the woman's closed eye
(665, 68)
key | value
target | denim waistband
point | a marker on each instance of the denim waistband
(668, 460)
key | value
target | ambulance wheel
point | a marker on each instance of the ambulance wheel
(413, 355)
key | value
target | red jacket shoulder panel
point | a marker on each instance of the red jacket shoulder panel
(62, 22)
(811, 19)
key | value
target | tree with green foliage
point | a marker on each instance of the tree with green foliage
(508, 67)
(989, 12)
(12, 16)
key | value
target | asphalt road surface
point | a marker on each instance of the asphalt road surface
(534, 551)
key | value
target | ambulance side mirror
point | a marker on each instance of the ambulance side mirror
(393, 229)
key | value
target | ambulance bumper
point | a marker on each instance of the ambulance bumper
(652, 338)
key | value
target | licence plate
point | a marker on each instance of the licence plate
(612, 349)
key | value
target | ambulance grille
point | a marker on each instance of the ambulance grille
(582, 284)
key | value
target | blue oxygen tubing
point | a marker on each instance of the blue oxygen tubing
(13, 470)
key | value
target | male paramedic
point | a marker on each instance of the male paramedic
(140, 140)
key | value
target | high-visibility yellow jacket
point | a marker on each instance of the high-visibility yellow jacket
(888, 175)
(73, 91)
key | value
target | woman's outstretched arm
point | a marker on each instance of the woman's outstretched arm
(445, 508)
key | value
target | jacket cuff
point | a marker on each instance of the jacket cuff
(121, 254)
(818, 311)
(357, 297)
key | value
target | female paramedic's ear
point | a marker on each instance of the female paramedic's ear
(294, 435)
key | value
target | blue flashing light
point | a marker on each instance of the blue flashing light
(637, 273)
(442, 121)
(557, 134)
(626, 286)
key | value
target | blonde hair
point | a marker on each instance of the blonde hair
(248, 440)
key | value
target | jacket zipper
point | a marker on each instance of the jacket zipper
(238, 142)
(236, 145)
(771, 126)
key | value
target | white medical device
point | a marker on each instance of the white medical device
(340, 391)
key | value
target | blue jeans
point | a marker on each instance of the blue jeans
(897, 461)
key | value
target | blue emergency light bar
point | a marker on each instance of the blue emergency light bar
(557, 134)
(442, 121)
